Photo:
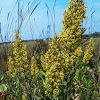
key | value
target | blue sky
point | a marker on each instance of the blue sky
(37, 25)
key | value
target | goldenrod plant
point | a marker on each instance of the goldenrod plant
(76, 75)
(65, 49)
(34, 69)
(53, 67)
(88, 52)
(71, 36)
(66, 71)
(25, 77)
(23, 97)
(18, 63)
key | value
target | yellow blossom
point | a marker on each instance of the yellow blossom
(23, 97)
(66, 48)
(34, 69)
(19, 62)
(88, 52)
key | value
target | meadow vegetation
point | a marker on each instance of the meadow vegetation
(65, 68)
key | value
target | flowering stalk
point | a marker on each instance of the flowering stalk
(18, 63)
(34, 69)
(88, 52)
(64, 50)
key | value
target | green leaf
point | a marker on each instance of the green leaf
(85, 80)
(82, 77)
(65, 90)
(3, 88)
(41, 77)
(34, 92)
(18, 81)
(1, 77)
(79, 63)
(38, 98)
(64, 82)
(88, 68)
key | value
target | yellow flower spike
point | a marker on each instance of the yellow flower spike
(88, 53)
(67, 48)
(23, 97)
(56, 91)
(34, 68)
(76, 76)
(19, 61)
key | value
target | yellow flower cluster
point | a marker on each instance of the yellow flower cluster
(76, 76)
(11, 68)
(53, 65)
(71, 37)
(18, 63)
(23, 97)
(64, 50)
(34, 68)
(88, 53)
